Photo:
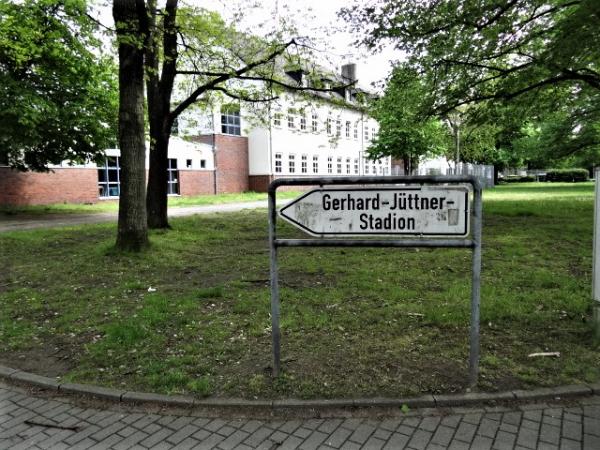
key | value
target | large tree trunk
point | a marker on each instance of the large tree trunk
(160, 87)
(156, 199)
(132, 228)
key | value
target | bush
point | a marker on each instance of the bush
(518, 179)
(568, 175)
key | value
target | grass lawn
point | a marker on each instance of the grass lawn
(113, 205)
(355, 322)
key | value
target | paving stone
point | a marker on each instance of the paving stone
(571, 430)
(338, 437)
(210, 443)
(362, 433)
(155, 438)
(568, 444)
(250, 427)
(290, 426)
(465, 432)
(373, 444)
(182, 434)
(591, 442)
(504, 441)
(259, 435)
(420, 439)
(396, 442)
(458, 445)
(549, 434)
(473, 419)
(302, 433)
(380, 433)
(291, 443)
(443, 435)
(313, 441)
(329, 426)
(233, 440)
(451, 421)
(482, 443)
(527, 437)
(429, 423)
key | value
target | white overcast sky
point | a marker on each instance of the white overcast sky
(315, 18)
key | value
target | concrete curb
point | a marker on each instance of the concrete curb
(180, 401)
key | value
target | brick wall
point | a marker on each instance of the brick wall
(68, 185)
(196, 182)
(231, 161)
(260, 183)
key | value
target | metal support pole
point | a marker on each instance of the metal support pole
(476, 285)
(596, 257)
(275, 332)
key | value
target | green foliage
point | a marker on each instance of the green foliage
(564, 175)
(540, 59)
(518, 179)
(404, 132)
(57, 93)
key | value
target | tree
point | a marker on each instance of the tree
(57, 92)
(132, 32)
(404, 130)
(528, 52)
(215, 58)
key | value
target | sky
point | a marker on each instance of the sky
(316, 19)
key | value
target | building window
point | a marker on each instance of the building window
(175, 127)
(339, 164)
(315, 123)
(277, 119)
(315, 163)
(338, 127)
(356, 166)
(348, 165)
(329, 125)
(172, 177)
(373, 132)
(329, 164)
(366, 168)
(304, 164)
(292, 163)
(348, 126)
(203, 164)
(278, 164)
(109, 177)
(302, 123)
(230, 120)
(366, 134)
(291, 120)
(374, 169)
(356, 130)
(188, 163)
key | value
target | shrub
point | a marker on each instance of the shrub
(568, 175)
(518, 179)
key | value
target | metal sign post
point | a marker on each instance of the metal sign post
(431, 209)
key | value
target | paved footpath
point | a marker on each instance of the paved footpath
(29, 420)
(31, 221)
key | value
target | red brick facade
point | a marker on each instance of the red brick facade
(231, 161)
(196, 182)
(64, 185)
(80, 185)
(260, 183)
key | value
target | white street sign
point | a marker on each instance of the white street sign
(408, 210)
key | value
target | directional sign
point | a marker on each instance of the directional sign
(408, 210)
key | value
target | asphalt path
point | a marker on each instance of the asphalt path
(18, 222)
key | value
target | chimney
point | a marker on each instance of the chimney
(349, 72)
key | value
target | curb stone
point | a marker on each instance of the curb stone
(425, 401)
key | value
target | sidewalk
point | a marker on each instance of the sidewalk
(32, 221)
(37, 422)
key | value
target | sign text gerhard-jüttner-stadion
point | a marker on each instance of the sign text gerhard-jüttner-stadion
(411, 210)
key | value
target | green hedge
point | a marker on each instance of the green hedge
(569, 175)
(518, 179)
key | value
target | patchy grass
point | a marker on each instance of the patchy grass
(113, 205)
(355, 322)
